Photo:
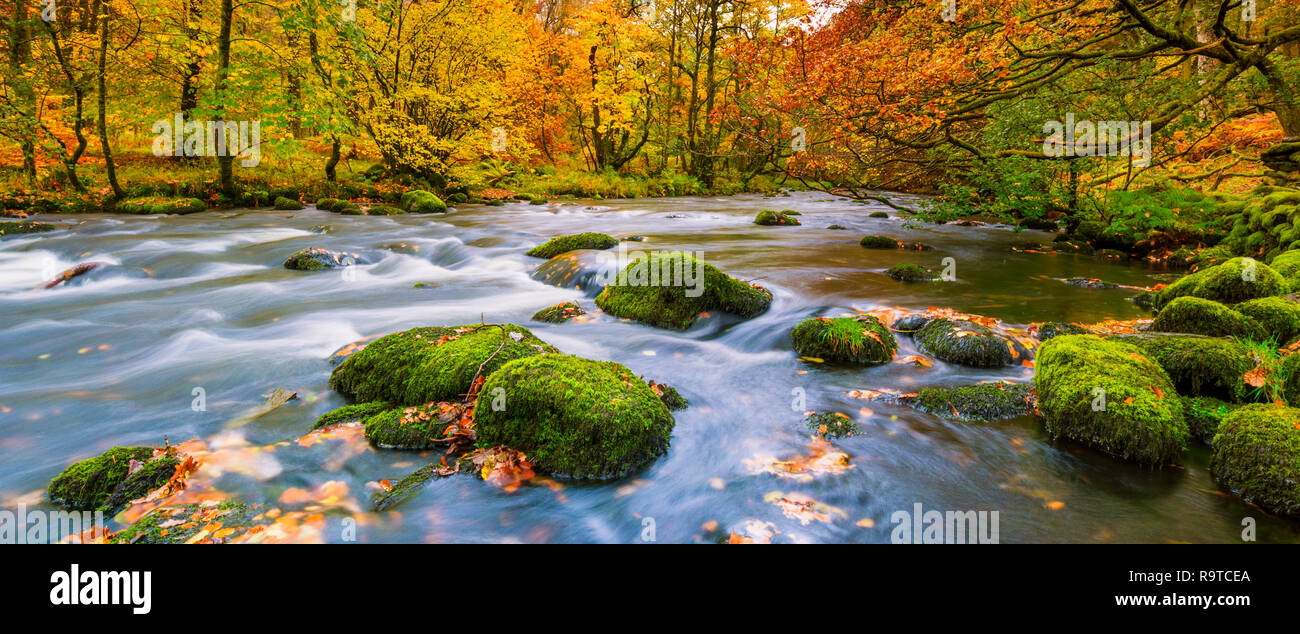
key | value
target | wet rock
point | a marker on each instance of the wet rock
(431, 364)
(576, 417)
(401, 247)
(563, 244)
(909, 272)
(1197, 365)
(1257, 454)
(418, 201)
(318, 259)
(862, 340)
(837, 228)
(322, 229)
(118, 475)
(909, 324)
(585, 269)
(1204, 414)
(1140, 417)
(1055, 328)
(690, 288)
(983, 402)
(768, 217)
(19, 228)
(559, 313)
(830, 425)
(1234, 281)
(1205, 317)
(407, 488)
(287, 204)
(351, 414)
(968, 343)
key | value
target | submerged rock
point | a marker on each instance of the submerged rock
(318, 259)
(1110, 396)
(563, 244)
(768, 217)
(670, 290)
(431, 364)
(406, 488)
(559, 313)
(418, 201)
(986, 401)
(862, 340)
(575, 417)
(1237, 280)
(110, 480)
(585, 269)
(1257, 454)
(968, 343)
(1205, 317)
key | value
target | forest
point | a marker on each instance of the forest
(714, 271)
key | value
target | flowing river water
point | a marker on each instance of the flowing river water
(200, 304)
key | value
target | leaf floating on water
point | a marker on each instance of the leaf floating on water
(916, 359)
(822, 459)
(812, 359)
(802, 507)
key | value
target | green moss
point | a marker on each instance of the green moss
(1279, 316)
(87, 485)
(1237, 280)
(575, 417)
(328, 204)
(1257, 454)
(669, 395)
(351, 413)
(967, 343)
(1203, 366)
(986, 401)
(1142, 418)
(768, 217)
(383, 210)
(185, 521)
(347, 208)
(863, 340)
(149, 476)
(287, 204)
(431, 364)
(559, 313)
(1204, 414)
(316, 259)
(564, 244)
(1212, 256)
(879, 242)
(878, 214)
(1205, 317)
(1055, 329)
(657, 290)
(1288, 266)
(418, 201)
(414, 427)
(407, 488)
(16, 228)
(831, 424)
(158, 205)
(908, 272)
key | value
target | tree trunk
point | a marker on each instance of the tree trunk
(225, 159)
(109, 166)
(20, 54)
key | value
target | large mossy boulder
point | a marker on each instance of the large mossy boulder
(418, 201)
(862, 340)
(431, 364)
(414, 427)
(318, 259)
(559, 313)
(1197, 365)
(108, 481)
(1257, 454)
(968, 343)
(670, 290)
(983, 402)
(1278, 316)
(909, 272)
(1237, 280)
(1108, 395)
(284, 203)
(19, 228)
(575, 417)
(1198, 316)
(768, 217)
(564, 244)
(879, 242)
(1288, 266)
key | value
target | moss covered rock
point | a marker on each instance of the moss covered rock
(831, 424)
(564, 244)
(287, 204)
(106, 481)
(1110, 396)
(351, 413)
(431, 364)
(1278, 316)
(1204, 414)
(1205, 317)
(559, 313)
(575, 417)
(157, 205)
(414, 427)
(910, 324)
(384, 210)
(418, 201)
(407, 488)
(768, 217)
(1199, 366)
(328, 204)
(880, 242)
(17, 228)
(1237, 280)
(1056, 328)
(986, 401)
(908, 272)
(878, 214)
(179, 524)
(862, 340)
(1257, 454)
(318, 259)
(670, 290)
(968, 343)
